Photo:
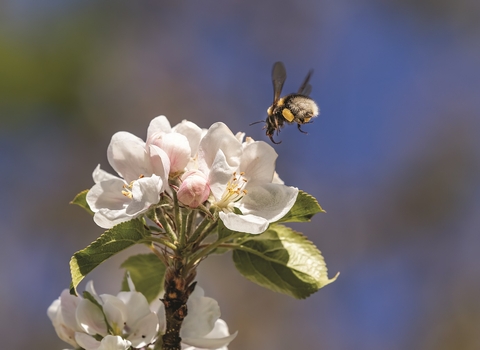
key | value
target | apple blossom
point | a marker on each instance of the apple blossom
(144, 170)
(242, 176)
(128, 315)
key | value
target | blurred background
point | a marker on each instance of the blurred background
(393, 157)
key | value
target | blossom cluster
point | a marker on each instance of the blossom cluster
(233, 175)
(108, 322)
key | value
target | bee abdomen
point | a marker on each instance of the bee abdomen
(303, 108)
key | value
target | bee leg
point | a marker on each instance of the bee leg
(300, 129)
(271, 139)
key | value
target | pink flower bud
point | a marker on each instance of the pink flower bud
(176, 146)
(194, 189)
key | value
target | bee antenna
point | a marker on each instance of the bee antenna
(260, 121)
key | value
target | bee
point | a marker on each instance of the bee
(293, 108)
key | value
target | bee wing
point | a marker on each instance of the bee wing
(306, 88)
(279, 75)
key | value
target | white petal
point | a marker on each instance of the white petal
(91, 289)
(106, 218)
(126, 154)
(145, 191)
(86, 341)
(217, 339)
(158, 124)
(100, 175)
(69, 304)
(240, 136)
(107, 194)
(220, 174)
(244, 223)
(64, 332)
(111, 342)
(269, 201)
(144, 331)
(115, 311)
(219, 137)
(258, 162)
(136, 306)
(90, 318)
(201, 317)
(277, 179)
(162, 322)
(192, 132)
(53, 309)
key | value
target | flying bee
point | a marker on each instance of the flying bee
(293, 108)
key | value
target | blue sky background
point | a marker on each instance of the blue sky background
(393, 157)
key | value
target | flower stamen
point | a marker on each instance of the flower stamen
(234, 192)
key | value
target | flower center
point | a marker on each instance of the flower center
(234, 192)
(127, 189)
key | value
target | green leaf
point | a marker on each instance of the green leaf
(147, 272)
(284, 261)
(304, 208)
(108, 244)
(223, 232)
(81, 200)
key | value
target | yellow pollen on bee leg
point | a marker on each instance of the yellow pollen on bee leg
(288, 115)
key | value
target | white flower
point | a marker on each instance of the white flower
(202, 328)
(242, 178)
(127, 315)
(180, 142)
(62, 314)
(144, 169)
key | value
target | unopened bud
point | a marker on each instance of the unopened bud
(194, 189)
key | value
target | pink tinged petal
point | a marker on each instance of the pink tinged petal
(192, 132)
(158, 124)
(126, 154)
(146, 192)
(86, 341)
(219, 137)
(111, 342)
(115, 311)
(176, 146)
(107, 194)
(269, 201)
(201, 317)
(159, 162)
(90, 318)
(244, 223)
(194, 189)
(258, 162)
(144, 331)
(100, 175)
(217, 339)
